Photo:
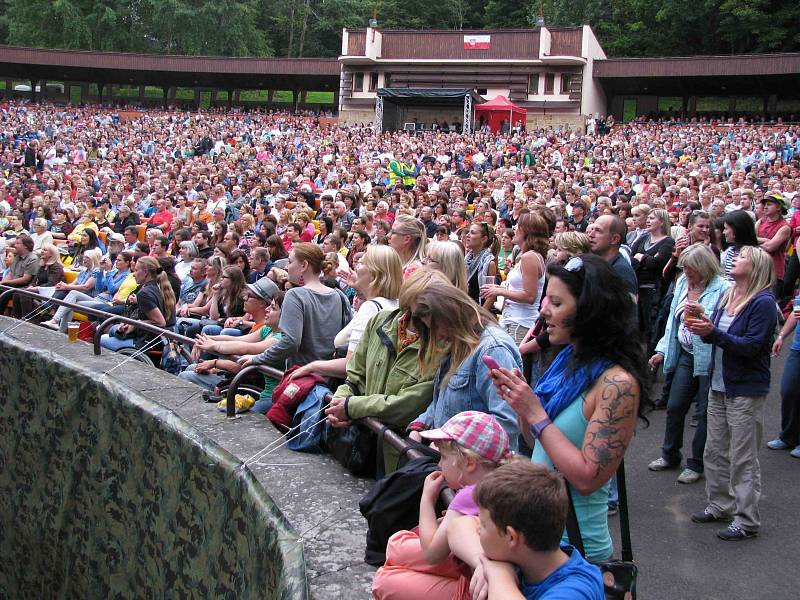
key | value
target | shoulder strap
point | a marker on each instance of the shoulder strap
(345, 305)
(378, 304)
(624, 521)
(573, 529)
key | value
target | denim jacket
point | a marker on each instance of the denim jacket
(669, 345)
(471, 388)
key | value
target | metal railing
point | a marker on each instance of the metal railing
(108, 318)
(383, 432)
(148, 327)
(8, 292)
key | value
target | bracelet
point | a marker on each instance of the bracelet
(215, 362)
(539, 427)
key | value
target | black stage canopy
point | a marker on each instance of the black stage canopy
(391, 104)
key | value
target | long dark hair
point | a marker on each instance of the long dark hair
(604, 326)
(744, 228)
(93, 241)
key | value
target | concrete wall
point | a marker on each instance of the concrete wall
(593, 98)
(538, 121)
(106, 494)
(348, 117)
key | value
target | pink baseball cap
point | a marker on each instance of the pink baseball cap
(475, 431)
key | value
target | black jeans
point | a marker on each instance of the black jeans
(790, 399)
(790, 276)
(686, 388)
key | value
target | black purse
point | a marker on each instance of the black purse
(619, 576)
(354, 447)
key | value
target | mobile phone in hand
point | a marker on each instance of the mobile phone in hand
(490, 362)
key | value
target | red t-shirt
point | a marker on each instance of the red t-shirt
(160, 218)
(769, 229)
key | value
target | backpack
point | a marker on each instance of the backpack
(173, 359)
(392, 503)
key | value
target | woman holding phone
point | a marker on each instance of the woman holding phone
(583, 413)
(687, 358)
(740, 332)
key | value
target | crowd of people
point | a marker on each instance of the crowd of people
(500, 295)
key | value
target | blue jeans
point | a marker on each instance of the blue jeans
(790, 399)
(686, 388)
(218, 330)
(206, 380)
(113, 309)
(114, 343)
(262, 405)
(613, 490)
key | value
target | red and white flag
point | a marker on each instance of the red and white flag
(477, 42)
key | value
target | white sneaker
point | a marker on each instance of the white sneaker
(689, 476)
(660, 464)
(51, 324)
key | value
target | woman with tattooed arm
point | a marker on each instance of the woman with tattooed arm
(582, 415)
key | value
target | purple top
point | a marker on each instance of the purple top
(464, 503)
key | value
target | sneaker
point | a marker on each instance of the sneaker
(660, 464)
(209, 397)
(706, 516)
(51, 324)
(795, 453)
(689, 476)
(244, 403)
(734, 533)
(659, 405)
(613, 508)
(777, 444)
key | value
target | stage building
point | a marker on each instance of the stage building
(546, 71)
(417, 79)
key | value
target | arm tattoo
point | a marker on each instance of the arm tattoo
(607, 443)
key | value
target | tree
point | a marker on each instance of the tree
(508, 14)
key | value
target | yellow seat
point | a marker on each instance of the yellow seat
(103, 236)
(142, 230)
(70, 277)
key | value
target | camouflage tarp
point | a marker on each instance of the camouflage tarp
(105, 494)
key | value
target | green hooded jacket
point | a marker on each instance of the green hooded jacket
(383, 383)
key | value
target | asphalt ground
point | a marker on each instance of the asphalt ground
(679, 559)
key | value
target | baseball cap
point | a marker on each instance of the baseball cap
(264, 288)
(777, 198)
(116, 237)
(475, 431)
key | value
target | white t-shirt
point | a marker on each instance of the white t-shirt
(351, 334)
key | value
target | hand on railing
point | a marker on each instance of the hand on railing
(336, 413)
(246, 360)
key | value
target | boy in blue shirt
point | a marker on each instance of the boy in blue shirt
(523, 512)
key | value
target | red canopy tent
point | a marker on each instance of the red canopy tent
(497, 110)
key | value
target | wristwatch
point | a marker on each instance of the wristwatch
(539, 427)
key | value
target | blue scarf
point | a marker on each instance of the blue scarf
(560, 385)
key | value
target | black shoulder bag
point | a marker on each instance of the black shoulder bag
(619, 576)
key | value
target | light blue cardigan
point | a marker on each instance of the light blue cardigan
(669, 345)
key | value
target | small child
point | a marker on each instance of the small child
(437, 561)
(523, 512)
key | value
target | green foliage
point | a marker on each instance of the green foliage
(307, 28)
(683, 27)
(508, 14)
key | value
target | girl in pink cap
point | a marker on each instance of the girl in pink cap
(437, 559)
